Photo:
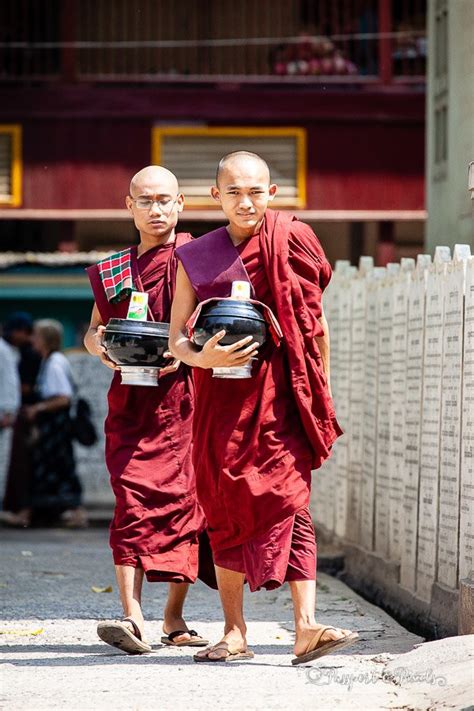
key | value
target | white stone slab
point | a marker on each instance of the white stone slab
(356, 406)
(412, 427)
(370, 408)
(450, 445)
(400, 290)
(384, 369)
(342, 400)
(466, 524)
(426, 496)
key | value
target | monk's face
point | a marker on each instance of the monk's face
(244, 191)
(155, 202)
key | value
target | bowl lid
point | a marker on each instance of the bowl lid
(233, 307)
(138, 328)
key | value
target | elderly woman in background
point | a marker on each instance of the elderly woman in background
(55, 491)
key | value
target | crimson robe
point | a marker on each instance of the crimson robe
(257, 439)
(148, 450)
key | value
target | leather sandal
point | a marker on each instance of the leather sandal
(195, 641)
(117, 634)
(314, 650)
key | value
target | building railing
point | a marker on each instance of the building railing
(351, 41)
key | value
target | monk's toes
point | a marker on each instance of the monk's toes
(335, 634)
(203, 653)
(341, 633)
(216, 654)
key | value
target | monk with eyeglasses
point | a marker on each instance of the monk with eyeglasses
(158, 524)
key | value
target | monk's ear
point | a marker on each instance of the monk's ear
(215, 193)
(272, 190)
(129, 204)
(180, 202)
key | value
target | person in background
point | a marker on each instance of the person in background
(55, 491)
(18, 332)
(9, 384)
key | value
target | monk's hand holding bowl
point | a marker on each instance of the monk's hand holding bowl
(100, 349)
(171, 368)
(213, 355)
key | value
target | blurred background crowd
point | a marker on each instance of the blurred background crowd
(36, 393)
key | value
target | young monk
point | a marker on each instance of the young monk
(148, 430)
(257, 439)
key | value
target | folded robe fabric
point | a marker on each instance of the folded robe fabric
(297, 276)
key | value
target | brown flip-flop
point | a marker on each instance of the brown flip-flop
(314, 650)
(118, 635)
(196, 642)
(230, 657)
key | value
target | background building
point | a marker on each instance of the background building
(450, 122)
(91, 91)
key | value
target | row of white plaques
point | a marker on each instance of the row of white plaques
(401, 479)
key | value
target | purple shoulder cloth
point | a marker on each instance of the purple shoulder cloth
(212, 263)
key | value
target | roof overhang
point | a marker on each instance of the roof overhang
(218, 216)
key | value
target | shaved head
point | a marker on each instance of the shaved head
(243, 190)
(154, 201)
(241, 159)
(154, 179)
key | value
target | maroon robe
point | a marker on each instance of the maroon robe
(257, 439)
(148, 433)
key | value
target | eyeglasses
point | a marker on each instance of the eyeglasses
(166, 205)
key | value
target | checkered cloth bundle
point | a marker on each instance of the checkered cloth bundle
(116, 275)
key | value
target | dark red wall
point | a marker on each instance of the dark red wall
(81, 145)
(82, 163)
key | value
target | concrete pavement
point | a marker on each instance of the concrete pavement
(52, 658)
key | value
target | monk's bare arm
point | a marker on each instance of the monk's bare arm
(324, 348)
(93, 338)
(212, 354)
(183, 305)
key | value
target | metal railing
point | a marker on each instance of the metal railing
(158, 40)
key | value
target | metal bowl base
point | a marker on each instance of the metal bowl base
(134, 375)
(236, 373)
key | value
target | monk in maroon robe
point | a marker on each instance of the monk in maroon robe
(148, 430)
(257, 439)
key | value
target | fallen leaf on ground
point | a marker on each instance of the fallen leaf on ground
(19, 633)
(100, 590)
(51, 572)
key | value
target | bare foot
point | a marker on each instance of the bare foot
(232, 642)
(171, 623)
(21, 519)
(139, 621)
(75, 518)
(306, 634)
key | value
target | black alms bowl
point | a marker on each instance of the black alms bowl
(238, 318)
(136, 343)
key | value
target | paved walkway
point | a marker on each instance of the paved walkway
(53, 660)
